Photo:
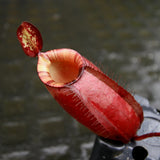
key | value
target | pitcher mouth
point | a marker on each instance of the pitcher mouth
(60, 67)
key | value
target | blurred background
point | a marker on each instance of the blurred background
(121, 37)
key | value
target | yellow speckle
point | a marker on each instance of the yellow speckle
(28, 39)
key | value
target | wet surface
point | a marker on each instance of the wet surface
(123, 38)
